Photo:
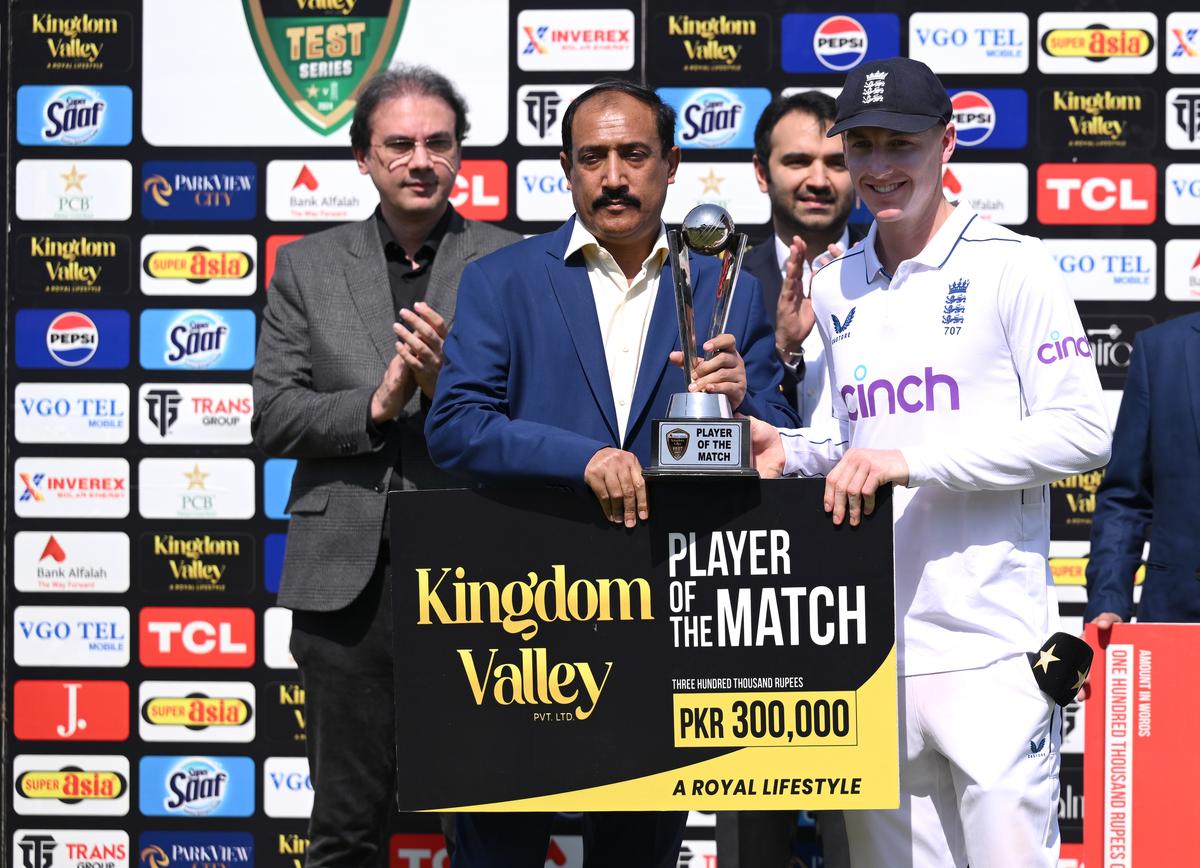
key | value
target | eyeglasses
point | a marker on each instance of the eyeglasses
(402, 149)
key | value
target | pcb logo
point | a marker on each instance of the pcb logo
(318, 53)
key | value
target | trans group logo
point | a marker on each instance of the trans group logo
(194, 340)
(539, 112)
(837, 43)
(1183, 118)
(196, 786)
(716, 117)
(63, 785)
(199, 190)
(990, 118)
(195, 413)
(72, 848)
(85, 338)
(74, 115)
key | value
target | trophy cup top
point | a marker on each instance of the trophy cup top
(707, 229)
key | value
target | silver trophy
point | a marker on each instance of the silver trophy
(700, 435)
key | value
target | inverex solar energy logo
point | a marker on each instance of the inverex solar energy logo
(73, 115)
(837, 43)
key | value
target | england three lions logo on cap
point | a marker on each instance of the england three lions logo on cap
(873, 87)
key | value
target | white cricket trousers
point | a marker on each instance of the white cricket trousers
(979, 760)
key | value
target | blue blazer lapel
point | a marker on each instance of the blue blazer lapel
(573, 290)
(1191, 373)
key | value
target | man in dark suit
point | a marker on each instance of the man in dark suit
(348, 357)
(1149, 489)
(804, 175)
(556, 365)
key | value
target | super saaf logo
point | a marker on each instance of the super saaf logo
(318, 53)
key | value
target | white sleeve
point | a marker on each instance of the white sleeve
(816, 450)
(1064, 428)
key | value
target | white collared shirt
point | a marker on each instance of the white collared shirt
(813, 392)
(971, 360)
(623, 309)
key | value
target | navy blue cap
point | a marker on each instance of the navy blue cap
(899, 94)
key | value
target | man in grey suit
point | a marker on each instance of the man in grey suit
(348, 358)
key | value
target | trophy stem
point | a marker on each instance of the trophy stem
(731, 267)
(684, 308)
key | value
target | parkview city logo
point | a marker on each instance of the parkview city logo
(198, 264)
(71, 710)
(71, 487)
(74, 115)
(62, 785)
(74, 190)
(318, 53)
(195, 413)
(1108, 43)
(207, 711)
(71, 413)
(81, 264)
(71, 562)
(196, 850)
(72, 848)
(974, 43)
(575, 39)
(196, 488)
(71, 636)
(199, 190)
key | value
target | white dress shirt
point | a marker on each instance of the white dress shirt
(623, 308)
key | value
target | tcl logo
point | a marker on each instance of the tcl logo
(274, 242)
(71, 710)
(1108, 193)
(418, 851)
(481, 190)
(197, 637)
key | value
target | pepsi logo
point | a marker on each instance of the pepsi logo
(974, 117)
(840, 43)
(72, 339)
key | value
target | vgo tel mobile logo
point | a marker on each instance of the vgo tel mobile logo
(71, 413)
(576, 39)
(198, 265)
(209, 711)
(71, 562)
(195, 412)
(542, 192)
(716, 117)
(71, 487)
(71, 710)
(970, 42)
(72, 848)
(71, 636)
(61, 785)
(196, 786)
(217, 340)
(287, 787)
(912, 394)
(195, 636)
(1114, 269)
(1183, 194)
(837, 43)
(74, 115)
(1097, 193)
(277, 633)
(49, 339)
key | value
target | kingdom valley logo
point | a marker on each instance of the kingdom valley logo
(1072, 505)
(73, 42)
(283, 712)
(208, 711)
(71, 264)
(1114, 119)
(716, 44)
(289, 849)
(318, 53)
(76, 562)
(71, 710)
(59, 785)
(196, 563)
(72, 848)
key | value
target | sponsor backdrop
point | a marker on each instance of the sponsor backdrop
(161, 152)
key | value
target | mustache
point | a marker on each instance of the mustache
(616, 197)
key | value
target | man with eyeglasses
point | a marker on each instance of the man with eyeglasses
(348, 359)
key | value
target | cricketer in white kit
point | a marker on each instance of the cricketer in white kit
(959, 370)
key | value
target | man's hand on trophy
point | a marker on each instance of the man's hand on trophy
(851, 485)
(421, 337)
(394, 391)
(766, 448)
(725, 372)
(615, 477)
(794, 316)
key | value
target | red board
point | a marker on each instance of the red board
(1140, 768)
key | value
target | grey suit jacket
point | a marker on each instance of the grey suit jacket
(325, 343)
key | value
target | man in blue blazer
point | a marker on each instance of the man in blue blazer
(558, 360)
(1150, 486)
